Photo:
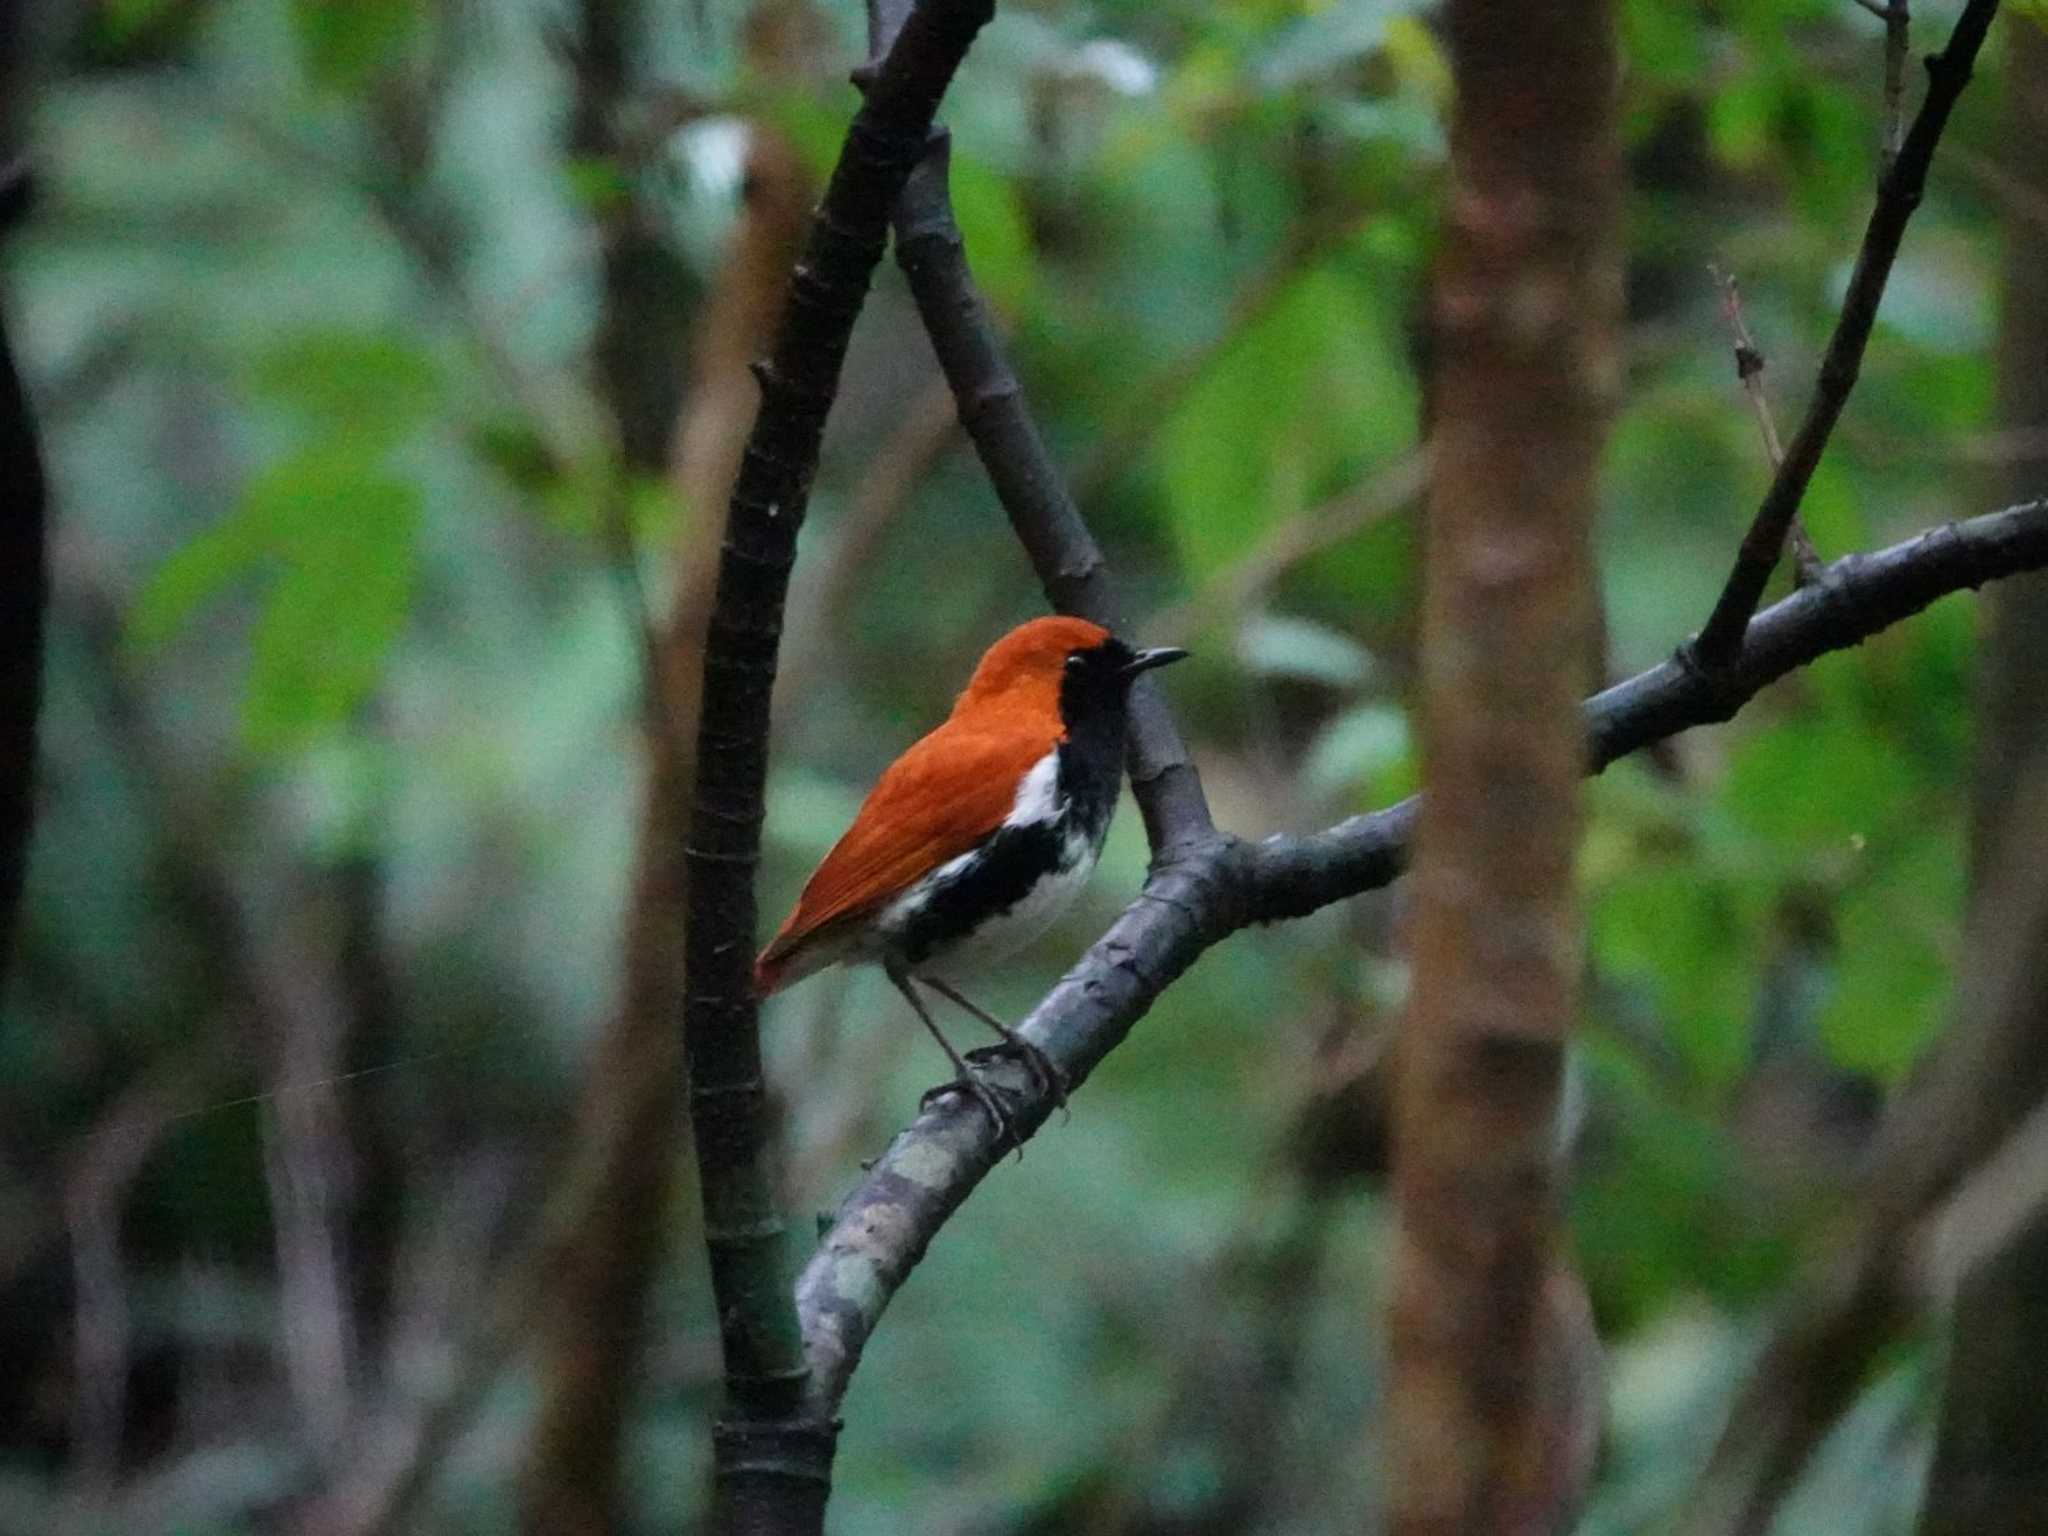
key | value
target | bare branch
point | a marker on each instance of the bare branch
(1201, 893)
(1948, 72)
(1033, 492)
(772, 1455)
(1896, 45)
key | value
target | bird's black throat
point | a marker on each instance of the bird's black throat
(1093, 692)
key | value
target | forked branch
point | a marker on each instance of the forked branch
(1898, 194)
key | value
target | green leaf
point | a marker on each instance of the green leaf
(1659, 1209)
(1894, 972)
(1664, 42)
(1806, 786)
(301, 489)
(331, 617)
(197, 570)
(1367, 746)
(1310, 388)
(1833, 513)
(597, 184)
(345, 44)
(123, 21)
(518, 452)
(368, 385)
(1690, 943)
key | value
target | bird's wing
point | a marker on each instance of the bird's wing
(936, 801)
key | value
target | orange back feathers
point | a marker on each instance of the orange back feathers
(945, 794)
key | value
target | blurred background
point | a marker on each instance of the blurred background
(366, 338)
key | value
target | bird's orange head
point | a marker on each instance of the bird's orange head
(1021, 674)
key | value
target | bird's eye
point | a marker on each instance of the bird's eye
(1075, 662)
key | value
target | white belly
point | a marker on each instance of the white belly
(1024, 923)
(1003, 934)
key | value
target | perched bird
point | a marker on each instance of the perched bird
(976, 839)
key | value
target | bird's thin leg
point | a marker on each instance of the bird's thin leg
(969, 1078)
(1049, 1076)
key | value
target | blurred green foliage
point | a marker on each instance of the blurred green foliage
(343, 743)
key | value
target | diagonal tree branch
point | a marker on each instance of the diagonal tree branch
(1027, 482)
(772, 1460)
(1898, 194)
(1029, 485)
(1202, 891)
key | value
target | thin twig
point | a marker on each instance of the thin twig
(1897, 20)
(1749, 369)
(96, 1186)
(306, 1159)
(1948, 72)
(1206, 891)
(393, 1464)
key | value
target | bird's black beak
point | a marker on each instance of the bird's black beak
(1158, 656)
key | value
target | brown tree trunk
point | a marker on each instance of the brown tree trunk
(1990, 1471)
(1525, 316)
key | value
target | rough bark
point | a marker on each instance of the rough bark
(1525, 314)
(1990, 1473)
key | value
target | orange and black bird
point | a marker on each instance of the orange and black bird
(973, 841)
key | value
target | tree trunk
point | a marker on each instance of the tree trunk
(1524, 315)
(1991, 1456)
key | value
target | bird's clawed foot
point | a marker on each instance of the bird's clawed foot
(1050, 1078)
(970, 1079)
(989, 1097)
